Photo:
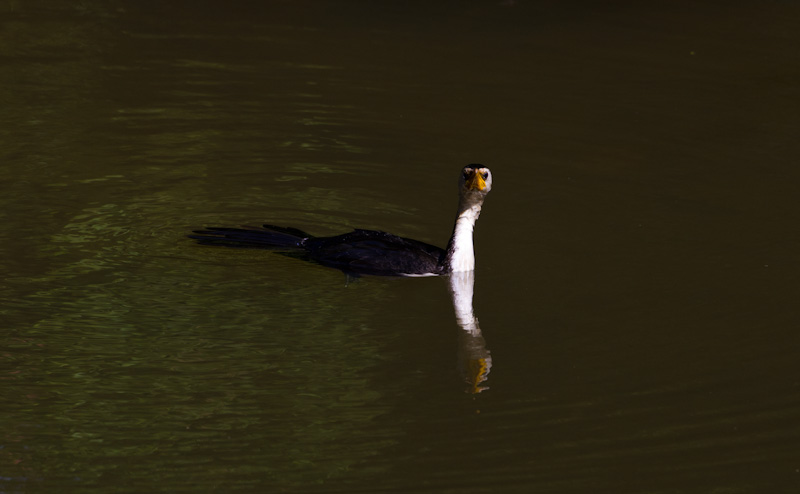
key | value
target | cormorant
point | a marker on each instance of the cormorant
(373, 252)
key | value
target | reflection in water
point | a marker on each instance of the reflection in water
(474, 359)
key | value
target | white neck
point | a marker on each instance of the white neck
(460, 252)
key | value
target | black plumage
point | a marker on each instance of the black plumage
(358, 252)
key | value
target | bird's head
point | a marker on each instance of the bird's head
(475, 181)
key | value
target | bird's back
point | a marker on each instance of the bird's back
(376, 253)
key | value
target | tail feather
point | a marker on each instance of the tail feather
(267, 237)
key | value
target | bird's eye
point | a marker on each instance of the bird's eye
(485, 175)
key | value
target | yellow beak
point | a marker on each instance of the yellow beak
(475, 182)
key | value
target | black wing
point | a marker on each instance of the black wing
(376, 253)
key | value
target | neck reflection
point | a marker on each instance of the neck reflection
(474, 359)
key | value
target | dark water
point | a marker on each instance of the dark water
(637, 258)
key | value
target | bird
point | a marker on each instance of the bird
(372, 252)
